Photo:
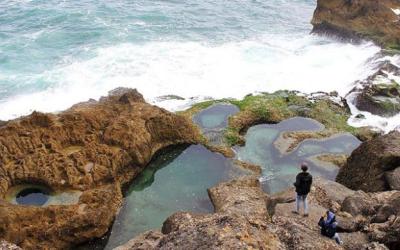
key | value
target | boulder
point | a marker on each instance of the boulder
(367, 166)
(94, 148)
(380, 99)
(393, 179)
(359, 19)
(359, 204)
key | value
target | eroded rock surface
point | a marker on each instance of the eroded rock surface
(366, 168)
(94, 147)
(355, 19)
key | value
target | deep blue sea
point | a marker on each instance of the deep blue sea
(55, 53)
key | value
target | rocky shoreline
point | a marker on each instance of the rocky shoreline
(95, 148)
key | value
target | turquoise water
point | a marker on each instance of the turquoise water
(176, 180)
(213, 121)
(55, 53)
(280, 170)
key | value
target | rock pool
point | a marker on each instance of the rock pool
(280, 169)
(176, 180)
(214, 120)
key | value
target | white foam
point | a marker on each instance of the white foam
(396, 11)
(385, 124)
(195, 69)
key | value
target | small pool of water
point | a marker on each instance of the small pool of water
(32, 196)
(176, 180)
(39, 195)
(280, 170)
(214, 120)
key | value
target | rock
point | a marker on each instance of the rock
(355, 19)
(256, 169)
(387, 233)
(366, 167)
(360, 116)
(359, 203)
(242, 196)
(8, 246)
(327, 192)
(374, 246)
(389, 208)
(380, 99)
(354, 240)
(393, 179)
(93, 147)
(147, 240)
(298, 232)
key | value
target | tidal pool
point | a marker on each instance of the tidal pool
(214, 120)
(176, 180)
(39, 195)
(279, 169)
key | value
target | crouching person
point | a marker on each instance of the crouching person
(328, 226)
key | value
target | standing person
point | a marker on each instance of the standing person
(303, 187)
(328, 226)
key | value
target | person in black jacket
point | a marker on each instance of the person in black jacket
(303, 187)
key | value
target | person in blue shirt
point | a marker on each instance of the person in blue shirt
(328, 226)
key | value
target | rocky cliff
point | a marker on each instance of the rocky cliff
(374, 166)
(375, 20)
(95, 148)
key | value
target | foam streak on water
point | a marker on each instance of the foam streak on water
(192, 69)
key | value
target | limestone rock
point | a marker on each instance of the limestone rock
(94, 147)
(393, 179)
(380, 99)
(368, 164)
(355, 19)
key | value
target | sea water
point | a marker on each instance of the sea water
(55, 53)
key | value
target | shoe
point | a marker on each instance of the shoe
(305, 215)
(339, 241)
(295, 212)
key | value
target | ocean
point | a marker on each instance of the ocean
(55, 53)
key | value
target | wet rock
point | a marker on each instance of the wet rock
(380, 99)
(393, 179)
(355, 19)
(367, 165)
(93, 147)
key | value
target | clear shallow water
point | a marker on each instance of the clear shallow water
(174, 181)
(214, 120)
(280, 170)
(55, 53)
